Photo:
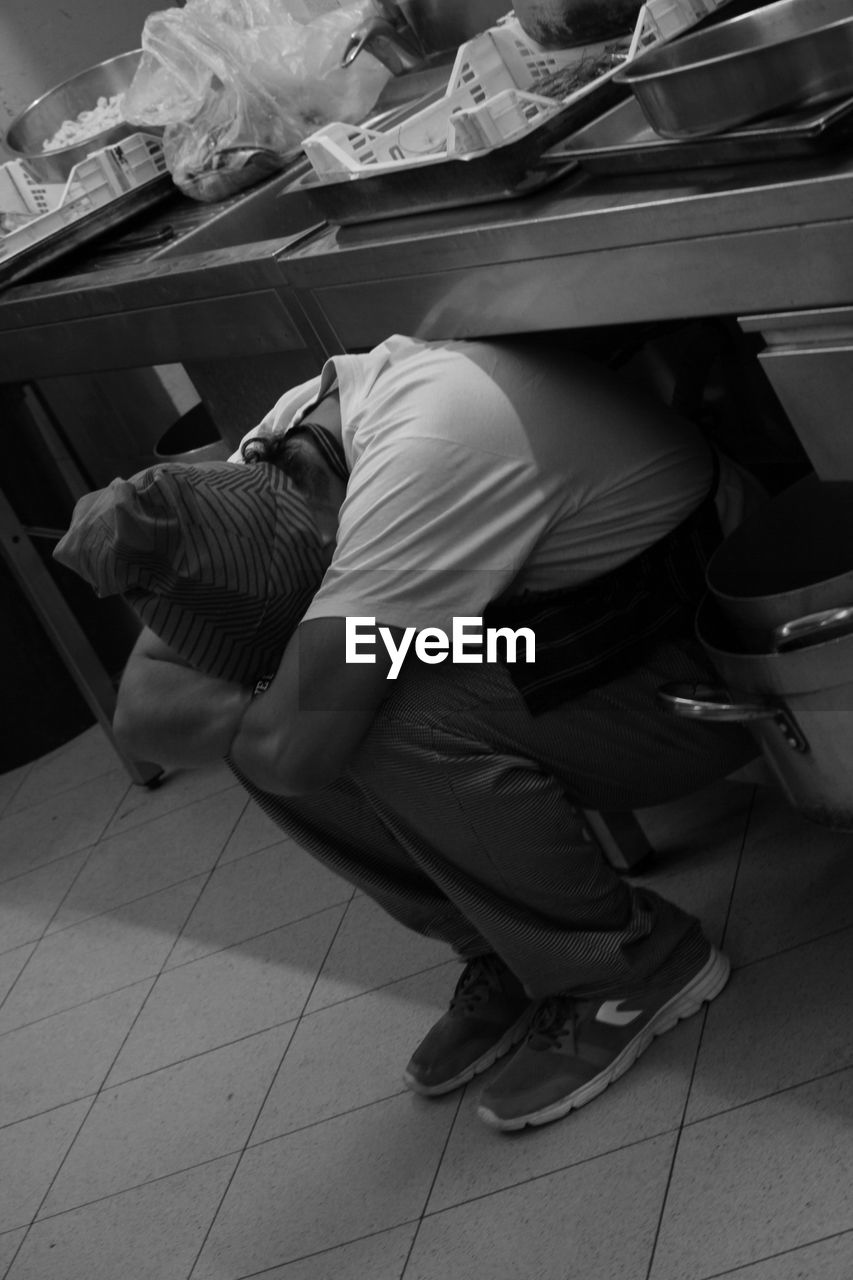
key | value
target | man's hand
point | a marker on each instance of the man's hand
(302, 733)
(169, 713)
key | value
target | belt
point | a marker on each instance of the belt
(588, 635)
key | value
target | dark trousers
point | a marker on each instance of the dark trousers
(462, 816)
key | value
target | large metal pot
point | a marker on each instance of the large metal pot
(43, 118)
(798, 704)
(793, 557)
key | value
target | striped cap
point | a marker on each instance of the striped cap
(220, 561)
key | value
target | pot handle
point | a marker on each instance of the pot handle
(802, 631)
(713, 703)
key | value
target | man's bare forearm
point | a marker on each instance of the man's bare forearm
(174, 715)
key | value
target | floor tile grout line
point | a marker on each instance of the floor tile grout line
(9, 799)
(382, 986)
(433, 1180)
(807, 1244)
(793, 946)
(750, 813)
(100, 1089)
(118, 1051)
(314, 1124)
(82, 1004)
(179, 808)
(174, 968)
(273, 1078)
(765, 1097)
(35, 1115)
(58, 791)
(37, 941)
(298, 1020)
(548, 1173)
(318, 1253)
(53, 1179)
(689, 1089)
(50, 862)
(127, 902)
(209, 877)
(263, 848)
(121, 1191)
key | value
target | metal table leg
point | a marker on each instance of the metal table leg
(66, 634)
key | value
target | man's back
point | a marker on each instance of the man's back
(484, 469)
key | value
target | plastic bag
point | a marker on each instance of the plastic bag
(239, 83)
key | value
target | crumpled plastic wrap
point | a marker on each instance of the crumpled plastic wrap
(237, 85)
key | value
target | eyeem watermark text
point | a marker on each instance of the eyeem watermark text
(432, 645)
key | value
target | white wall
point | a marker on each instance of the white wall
(43, 42)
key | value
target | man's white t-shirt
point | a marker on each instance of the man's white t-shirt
(481, 470)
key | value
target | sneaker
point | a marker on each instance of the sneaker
(489, 1013)
(577, 1047)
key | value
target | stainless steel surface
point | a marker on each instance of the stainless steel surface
(404, 33)
(808, 360)
(41, 120)
(623, 142)
(68, 637)
(69, 238)
(398, 50)
(828, 624)
(445, 24)
(788, 54)
(792, 558)
(799, 707)
(583, 253)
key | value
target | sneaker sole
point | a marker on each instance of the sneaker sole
(707, 984)
(508, 1041)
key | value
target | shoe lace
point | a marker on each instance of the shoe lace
(555, 1021)
(479, 978)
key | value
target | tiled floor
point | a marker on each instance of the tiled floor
(202, 1034)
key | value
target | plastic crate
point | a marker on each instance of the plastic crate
(102, 177)
(491, 97)
(20, 192)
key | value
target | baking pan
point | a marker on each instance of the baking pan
(503, 173)
(430, 190)
(83, 230)
(623, 141)
(787, 55)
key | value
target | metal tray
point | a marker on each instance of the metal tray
(75, 234)
(780, 57)
(504, 173)
(622, 141)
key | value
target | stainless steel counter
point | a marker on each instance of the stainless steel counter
(770, 245)
(754, 242)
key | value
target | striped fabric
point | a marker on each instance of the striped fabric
(220, 561)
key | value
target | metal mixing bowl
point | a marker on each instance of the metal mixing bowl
(43, 118)
(789, 54)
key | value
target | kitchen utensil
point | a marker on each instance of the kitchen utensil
(792, 558)
(797, 704)
(789, 54)
(42, 118)
(404, 34)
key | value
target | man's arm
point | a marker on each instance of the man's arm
(171, 713)
(301, 734)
